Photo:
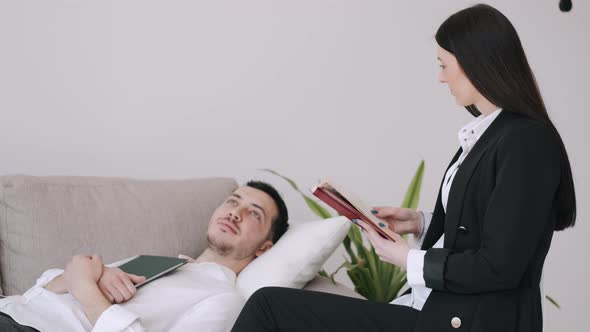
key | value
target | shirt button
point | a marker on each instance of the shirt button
(456, 322)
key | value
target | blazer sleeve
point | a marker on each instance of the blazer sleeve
(518, 214)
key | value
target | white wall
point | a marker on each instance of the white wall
(345, 89)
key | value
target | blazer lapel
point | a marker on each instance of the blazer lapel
(436, 228)
(455, 203)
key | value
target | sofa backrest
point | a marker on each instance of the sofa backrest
(46, 220)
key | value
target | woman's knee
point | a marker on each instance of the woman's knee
(266, 294)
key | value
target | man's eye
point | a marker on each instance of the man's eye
(232, 201)
(442, 66)
(255, 214)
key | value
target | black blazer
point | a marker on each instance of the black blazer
(498, 227)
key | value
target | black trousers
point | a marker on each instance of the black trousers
(7, 324)
(286, 309)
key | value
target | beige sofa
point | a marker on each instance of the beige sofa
(45, 220)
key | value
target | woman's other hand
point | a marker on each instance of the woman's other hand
(400, 220)
(392, 252)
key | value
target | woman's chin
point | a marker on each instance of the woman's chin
(461, 103)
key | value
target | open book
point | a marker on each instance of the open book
(349, 206)
(151, 267)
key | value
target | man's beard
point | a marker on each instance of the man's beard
(228, 250)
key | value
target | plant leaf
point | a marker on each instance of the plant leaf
(346, 243)
(412, 196)
(553, 301)
(315, 207)
(291, 182)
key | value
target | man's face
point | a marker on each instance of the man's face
(241, 225)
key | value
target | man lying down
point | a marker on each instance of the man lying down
(199, 296)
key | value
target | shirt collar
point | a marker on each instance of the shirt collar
(471, 132)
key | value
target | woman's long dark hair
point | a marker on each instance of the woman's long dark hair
(489, 51)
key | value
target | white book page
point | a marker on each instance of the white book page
(356, 202)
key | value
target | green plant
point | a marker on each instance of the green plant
(374, 279)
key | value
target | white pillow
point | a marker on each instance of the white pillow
(296, 258)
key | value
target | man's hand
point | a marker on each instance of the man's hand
(117, 285)
(82, 271)
(81, 277)
(60, 285)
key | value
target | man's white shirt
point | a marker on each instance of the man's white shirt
(196, 297)
(468, 136)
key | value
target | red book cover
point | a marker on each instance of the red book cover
(329, 195)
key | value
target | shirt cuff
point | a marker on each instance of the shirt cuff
(115, 318)
(48, 276)
(426, 219)
(414, 241)
(415, 272)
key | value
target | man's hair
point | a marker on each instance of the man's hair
(280, 223)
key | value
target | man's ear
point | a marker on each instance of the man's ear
(264, 247)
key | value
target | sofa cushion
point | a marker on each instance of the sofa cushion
(45, 220)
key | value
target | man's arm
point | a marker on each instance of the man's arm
(80, 279)
(116, 285)
(104, 316)
(57, 285)
(92, 300)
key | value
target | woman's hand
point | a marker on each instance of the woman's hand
(118, 286)
(392, 252)
(400, 220)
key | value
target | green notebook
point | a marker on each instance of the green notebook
(151, 267)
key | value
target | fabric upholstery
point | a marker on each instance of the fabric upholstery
(45, 220)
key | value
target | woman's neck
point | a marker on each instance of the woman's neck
(486, 107)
